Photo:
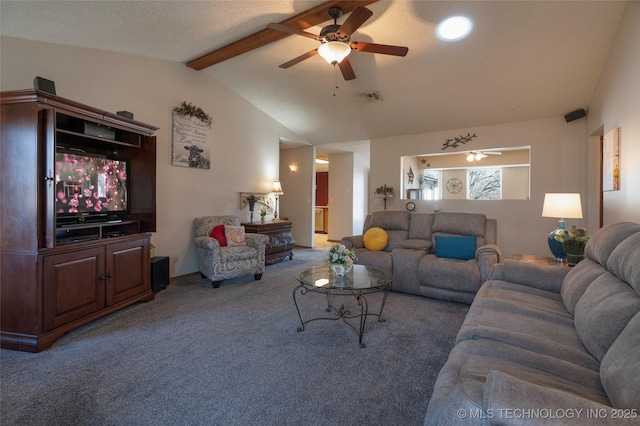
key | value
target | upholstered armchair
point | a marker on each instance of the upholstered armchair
(219, 262)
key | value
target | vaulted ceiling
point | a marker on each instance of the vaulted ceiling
(523, 60)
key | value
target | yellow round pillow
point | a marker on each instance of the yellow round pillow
(375, 239)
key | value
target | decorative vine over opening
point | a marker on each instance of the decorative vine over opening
(190, 110)
(458, 140)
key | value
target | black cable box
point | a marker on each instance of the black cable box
(93, 129)
(77, 239)
(112, 234)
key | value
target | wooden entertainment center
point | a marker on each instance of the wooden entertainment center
(56, 275)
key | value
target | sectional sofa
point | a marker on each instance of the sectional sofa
(550, 344)
(419, 266)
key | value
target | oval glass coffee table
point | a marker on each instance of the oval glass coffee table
(356, 283)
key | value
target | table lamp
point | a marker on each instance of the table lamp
(560, 205)
(277, 190)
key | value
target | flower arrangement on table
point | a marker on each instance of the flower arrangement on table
(341, 259)
(573, 242)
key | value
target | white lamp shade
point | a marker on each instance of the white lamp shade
(334, 51)
(562, 205)
(277, 188)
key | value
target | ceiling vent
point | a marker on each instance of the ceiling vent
(372, 97)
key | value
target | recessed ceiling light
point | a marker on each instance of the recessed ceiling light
(454, 28)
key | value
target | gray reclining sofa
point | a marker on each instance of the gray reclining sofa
(410, 254)
(541, 343)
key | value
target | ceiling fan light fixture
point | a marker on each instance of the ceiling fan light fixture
(454, 28)
(477, 156)
(334, 51)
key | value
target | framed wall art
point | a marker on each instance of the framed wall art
(191, 135)
(264, 200)
(611, 160)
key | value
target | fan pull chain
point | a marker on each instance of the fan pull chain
(335, 79)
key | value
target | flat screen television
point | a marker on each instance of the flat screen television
(90, 186)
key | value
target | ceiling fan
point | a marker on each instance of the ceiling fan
(336, 41)
(479, 155)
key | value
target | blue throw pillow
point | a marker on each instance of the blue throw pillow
(463, 248)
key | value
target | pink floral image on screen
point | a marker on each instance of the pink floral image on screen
(87, 184)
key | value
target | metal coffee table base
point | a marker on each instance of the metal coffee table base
(341, 312)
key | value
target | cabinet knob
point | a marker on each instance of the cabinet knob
(101, 277)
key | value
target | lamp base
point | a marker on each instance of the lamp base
(556, 246)
(275, 212)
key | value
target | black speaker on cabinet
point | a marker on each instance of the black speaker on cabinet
(45, 85)
(159, 273)
(125, 114)
(574, 115)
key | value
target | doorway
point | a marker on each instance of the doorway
(322, 202)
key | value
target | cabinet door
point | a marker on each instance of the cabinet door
(73, 286)
(127, 270)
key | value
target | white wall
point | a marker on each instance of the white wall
(361, 193)
(348, 194)
(245, 141)
(558, 157)
(616, 103)
(341, 205)
(299, 199)
(515, 183)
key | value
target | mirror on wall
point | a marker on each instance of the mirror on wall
(488, 174)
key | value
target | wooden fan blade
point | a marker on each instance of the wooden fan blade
(299, 59)
(354, 21)
(314, 16)
(346, 69)
(290, 30)
(385, 49)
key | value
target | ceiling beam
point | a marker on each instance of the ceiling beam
(309, 18)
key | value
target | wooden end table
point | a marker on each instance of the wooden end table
(539, 260)
(281, 242)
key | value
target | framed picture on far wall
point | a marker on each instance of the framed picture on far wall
(611, 160)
